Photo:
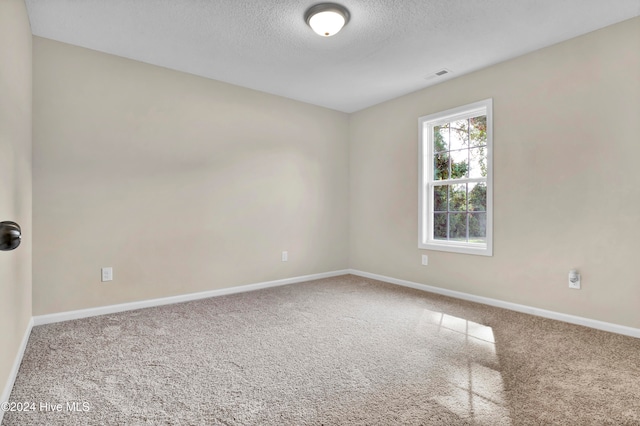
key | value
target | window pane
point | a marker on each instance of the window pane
(441, 138)
(458, 198)
(478, 197)
(440, 198)
(458, 226)
(478, 162)
(441, 166)
(478, 131)
(440, 226)
(477, 227)
(459, 163)
(459, 135)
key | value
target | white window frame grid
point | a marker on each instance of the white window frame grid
(426, 182)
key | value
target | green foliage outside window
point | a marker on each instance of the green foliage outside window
(460, 152)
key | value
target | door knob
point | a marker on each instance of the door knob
(10, 235)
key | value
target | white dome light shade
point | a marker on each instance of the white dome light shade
(326, 23)
(327, 19)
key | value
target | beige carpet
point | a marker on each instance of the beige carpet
(339, 351)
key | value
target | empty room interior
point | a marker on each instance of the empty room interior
(221, 212)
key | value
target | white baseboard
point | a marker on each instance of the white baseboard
(111, 309)
(8, 387)
(103, 310)
(587, 322)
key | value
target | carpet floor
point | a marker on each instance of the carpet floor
(339, 351)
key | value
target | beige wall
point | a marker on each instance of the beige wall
(184, 184)
(567, 188)
(180, 183)
(15, 178)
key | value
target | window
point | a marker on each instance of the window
(456, 180)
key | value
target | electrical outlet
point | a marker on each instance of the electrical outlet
(425, 260)
(574, 279)
(285, 256)
(107, 274)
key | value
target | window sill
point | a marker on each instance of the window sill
(479, 250)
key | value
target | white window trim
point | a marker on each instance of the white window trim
(425, 165)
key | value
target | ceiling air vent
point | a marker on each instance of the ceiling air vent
(437, 74)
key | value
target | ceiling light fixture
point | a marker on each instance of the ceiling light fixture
(326, 19)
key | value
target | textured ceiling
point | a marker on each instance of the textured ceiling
(385, 51)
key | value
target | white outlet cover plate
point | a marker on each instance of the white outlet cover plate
(575, 285)
(107, 274)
